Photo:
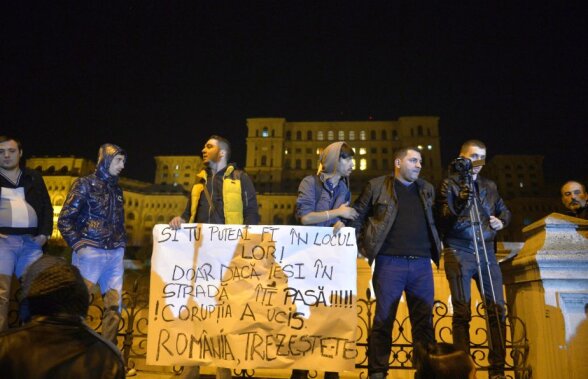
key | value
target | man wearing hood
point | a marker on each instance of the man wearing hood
(92, 223)
(223, 195)
(323, 200)
(26, 219)
(396, 230)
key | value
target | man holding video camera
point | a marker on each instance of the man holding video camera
(470, 213)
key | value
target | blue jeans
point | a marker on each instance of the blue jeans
(104, 268)
(17, 253)
(460, 268)
(392, 276)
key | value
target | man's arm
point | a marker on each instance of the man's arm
(68, 217)
(249, 196)
(46, 216)
(501, 210)
(363, 206)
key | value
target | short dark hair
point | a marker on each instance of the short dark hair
(401, 153)
(223, 143)
(346, 151)
(10, 138)
(472, 142)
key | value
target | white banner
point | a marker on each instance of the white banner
(253, 297)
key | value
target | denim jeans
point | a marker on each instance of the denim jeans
(104, 268)
(17, 253)
(460, 268)
(392, 276)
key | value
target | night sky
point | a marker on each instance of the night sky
(158, 77)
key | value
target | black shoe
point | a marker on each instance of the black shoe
(299, 374)
(331, 375)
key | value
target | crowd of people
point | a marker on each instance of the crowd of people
(402, 224)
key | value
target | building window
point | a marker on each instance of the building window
(362, 151)
(362, 135)
(288, 135)
(330, 135)
(374, 164)
(298, 164)
(298, 135)
(308, 164)
(298, 150)
(265, 132)
(309, 150)
(352, 135)
(394, 135)
(420, 131)
(372, 135)
(341, 135)
(385, 163)
(319, 135)
(362, 164)
(309, 135)
(373, 150)
(263, 160)
(384, 150)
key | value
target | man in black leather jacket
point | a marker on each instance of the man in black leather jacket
(397, 230)
(455, 201)
(92, 223)
(55, 342)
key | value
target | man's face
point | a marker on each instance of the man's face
(573, 196)
(9, 155)
(117, 165)
(474, 153)
(211, 152)
(345, 166)
(408, 168)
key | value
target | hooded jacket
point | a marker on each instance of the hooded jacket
(317, 194)
(93, 214)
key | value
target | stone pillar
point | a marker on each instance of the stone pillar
(547, 288)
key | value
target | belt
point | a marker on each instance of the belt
(409, 257)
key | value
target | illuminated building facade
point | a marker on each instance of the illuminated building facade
(280, 153)
(146, 204)
(177, 170)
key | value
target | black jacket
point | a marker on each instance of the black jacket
(453, 216)
(93, 213)
(52, 347)
(37, 196)
(377, 209)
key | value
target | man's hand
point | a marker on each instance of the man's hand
(176, 222)
(346, 212)
(495, 223)
(338, 225)
(465, 193)
(41, 239)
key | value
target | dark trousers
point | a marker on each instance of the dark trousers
(460, 268)
(392, 276)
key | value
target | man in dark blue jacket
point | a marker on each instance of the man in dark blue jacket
(470, 251)
(26, 219)
(92, 223)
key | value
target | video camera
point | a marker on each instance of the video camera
(463, 166)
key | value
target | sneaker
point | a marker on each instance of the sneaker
(131, 372)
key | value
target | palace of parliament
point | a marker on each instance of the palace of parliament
(280, 153)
